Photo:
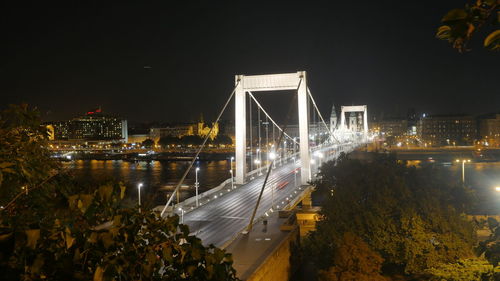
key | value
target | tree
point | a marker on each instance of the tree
(25, 163)
(168, 140)
(459, 25)
(223, 139)
(412, 217)
(353, 261)
(148, 143)
(91, 235)
(61, 230)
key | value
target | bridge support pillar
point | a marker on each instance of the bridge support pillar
(305, 157)
(240, 130)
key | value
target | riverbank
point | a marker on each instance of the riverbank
(144, 156)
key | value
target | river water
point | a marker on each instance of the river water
(160, 177)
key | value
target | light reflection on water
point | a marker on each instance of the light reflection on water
(158, 177)
(483, 178)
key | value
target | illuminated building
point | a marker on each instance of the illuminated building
(92, 126)
(449, 130)
(489, 130)
(186, 129)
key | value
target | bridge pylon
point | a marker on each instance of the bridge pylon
(271, 82)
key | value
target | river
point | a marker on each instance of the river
(158, 177)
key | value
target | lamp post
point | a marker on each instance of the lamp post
(182, 215)
(295, 176)
(232, 179)
(139, 197)
(196, 184)
(258, 161)
(463, 167)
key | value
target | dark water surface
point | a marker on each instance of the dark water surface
(159, 178)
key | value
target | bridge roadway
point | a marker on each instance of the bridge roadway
(220, 220)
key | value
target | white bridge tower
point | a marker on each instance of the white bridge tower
(272, 82)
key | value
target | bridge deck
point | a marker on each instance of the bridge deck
(219, 221)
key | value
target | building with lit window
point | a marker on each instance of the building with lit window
(93, 126)
(489, 130)
(450, 130)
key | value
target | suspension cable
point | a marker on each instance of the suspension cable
(316, 107)
(251, 131)
(267, 115)
(199, 150)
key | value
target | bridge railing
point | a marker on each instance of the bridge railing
(225, 187)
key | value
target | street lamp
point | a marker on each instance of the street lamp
(196, 184)
(272, 156)
(463, 167)
(232, 179)
(497, 188)
(182, 215)
(295, 176)
(139, 191)
(258, 161)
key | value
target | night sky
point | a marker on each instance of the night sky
(169, 61)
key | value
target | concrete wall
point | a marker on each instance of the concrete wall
(276, 267)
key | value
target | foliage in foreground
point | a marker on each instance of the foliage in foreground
(24, 160)
(459, 25)
(89, 235)
(59, 230)
(411, 217)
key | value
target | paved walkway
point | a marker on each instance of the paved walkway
(251, 250)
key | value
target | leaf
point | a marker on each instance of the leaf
(122, 190)
(492, 41)
(4, 165)
(84, 202)
(69, 239)
(117, 221)
(98, 274)
(93, 237)
(73, 201)
(37, 264)
(32, 237)
(4, 237)
(107, 239)
(454, 15)
(105, 192)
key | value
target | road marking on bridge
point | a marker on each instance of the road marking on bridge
(229, 217)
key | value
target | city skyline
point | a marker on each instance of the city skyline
(172, 62)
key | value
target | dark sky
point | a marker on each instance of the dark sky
(68, 58)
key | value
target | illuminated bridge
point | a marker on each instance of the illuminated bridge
(273, 165)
